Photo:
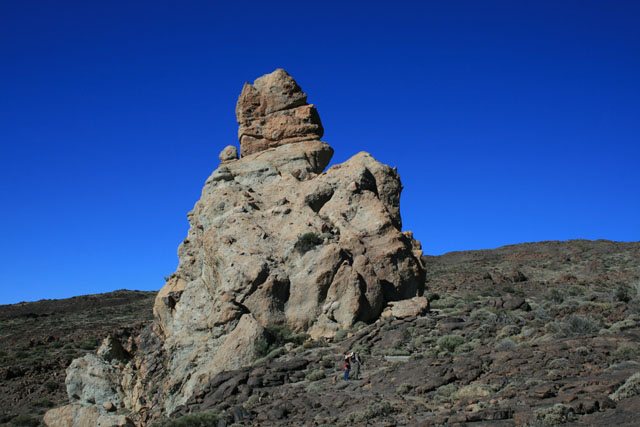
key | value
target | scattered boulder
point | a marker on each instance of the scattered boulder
(416, 306)
(228, 154)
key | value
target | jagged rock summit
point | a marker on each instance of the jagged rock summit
(273, 112)
(274, 240)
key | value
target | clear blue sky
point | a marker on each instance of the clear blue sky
(509, 121)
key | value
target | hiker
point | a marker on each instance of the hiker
(355, 359)
(347, 366)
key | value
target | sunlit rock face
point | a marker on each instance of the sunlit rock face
(275, 239)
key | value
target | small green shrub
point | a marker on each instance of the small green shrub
(315, 375)
(202, 419)
(307, 242)
(450, 342)
(277, 336)
(315, 344)
(432, 296)
(42, 403)
(558, 363)
(315, 388)
(554, 415)
(626, 351)
(483, 315)
(24, 421)
(3, 353)
(252, 402)
(340, 335)
(390, 352)
(505, 344)
(446, 390)
(624, 293)
(471, 391)
(576, 291)
(271, 355)
(88, 344)
(374, 410)
(442, 303)
(556, 295)
(630, 388)
(404, 388)
(577, 326)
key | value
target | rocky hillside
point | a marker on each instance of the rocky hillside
(40, 339)
(537, 333)
(533, 334)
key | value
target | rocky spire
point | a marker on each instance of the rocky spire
(275, 241)
(273, 112)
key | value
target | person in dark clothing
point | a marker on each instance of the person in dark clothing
(355, 360)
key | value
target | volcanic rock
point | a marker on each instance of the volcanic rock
(273, 112)
(274, 241)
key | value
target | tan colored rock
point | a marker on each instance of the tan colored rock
(273, 112)
(416, 306)
(274, 240)
(77, 415)
(228, 154)
(93, 380)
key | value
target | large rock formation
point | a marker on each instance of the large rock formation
(274, 240)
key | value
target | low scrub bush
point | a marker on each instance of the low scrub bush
(506, 344)
(50, 385)
(390, 352)
(340, 335)
(471, 391)
(275, 337)
(252, 401)
(315, 375)
(374, 410)
(446, 390)
(450, 342)
(556, 295)
(404, 388)
(42, 403)
(441, 303)
(483, 315)
(624, 293)
(630, 388)
(554, 415)
(202, 419)
(577, 326)
(24, 421)
(626, 352)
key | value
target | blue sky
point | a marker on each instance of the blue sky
(509, 121)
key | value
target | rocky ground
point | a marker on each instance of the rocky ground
(533, 334)
(40, 339)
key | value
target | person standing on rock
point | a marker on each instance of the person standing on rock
(355, 358)
(347, 366)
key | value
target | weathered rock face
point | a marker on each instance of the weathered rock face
(273, 112)
(273, 240)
